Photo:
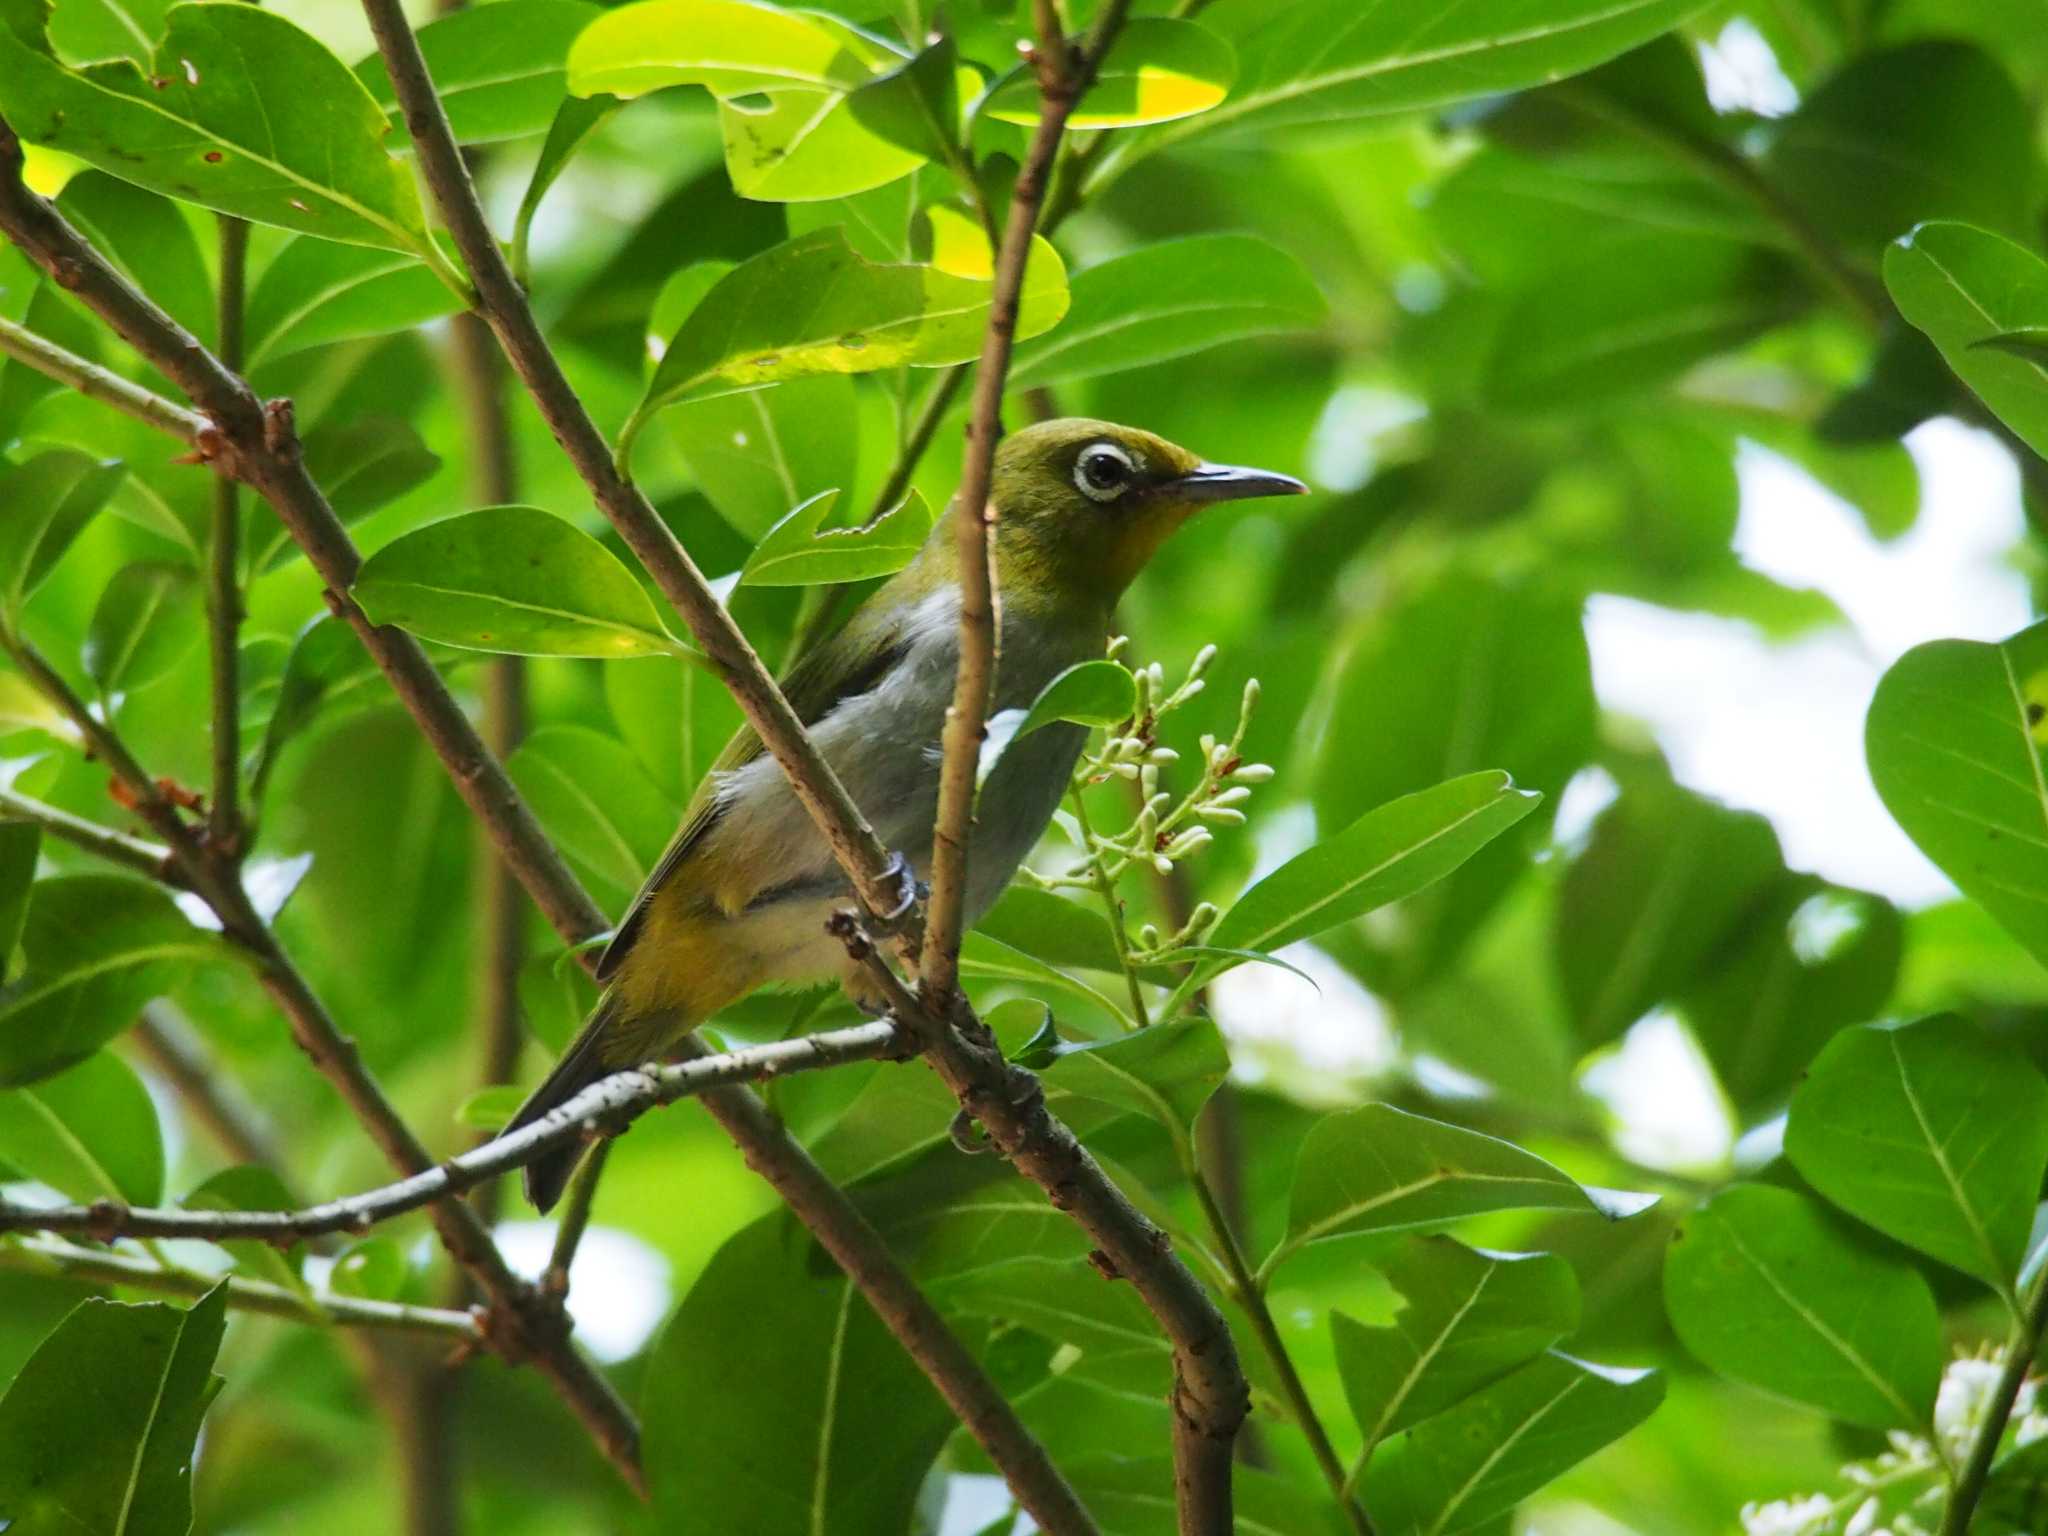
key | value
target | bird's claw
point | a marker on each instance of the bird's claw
(909, 892)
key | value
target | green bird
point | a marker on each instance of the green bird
(741, 897)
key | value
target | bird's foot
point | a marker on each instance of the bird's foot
(909, 891)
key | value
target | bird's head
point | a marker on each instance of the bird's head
(1083, 504)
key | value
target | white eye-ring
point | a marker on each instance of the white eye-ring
(1103, 472)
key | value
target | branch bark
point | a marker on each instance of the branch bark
(139, 854)
(224, 573)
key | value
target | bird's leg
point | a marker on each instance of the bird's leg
(910, 891)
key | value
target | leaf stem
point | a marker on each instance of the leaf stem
(575, 1219)
(2024, 1342)
(224, 828)
(1113, 908)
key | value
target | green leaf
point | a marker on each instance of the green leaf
(1964, 287)
(296, 142)
(49, 498)
(675, 716)
(98, 948)
(815, 305)
(1051, 928)
(371, 1270)
(98, 1430)
(1477, 1461)
(1099, 693)
(1133, 1496)
(252, 1187)
(1467, 1318)
(1168, 300)
(90, 1133)
(1767, 1287)
(1667, 877)
(144, 623)
(20, 843)
(1159, 69)
(501, 70)
(1330, 61)
(327, 660)
(111, 29)
(1380, 1169)
(148, 239)
(799, 551)
(318, 291)
(1930, 130)
(362, 465)
(773, 1364)
(1069, 1304)
(783, 80)
(490, 1109)
(1167, 1072)
(23, 708)
(1935, 1134)
(761, 452)
(1386, 854)
(1955, 744)
(515, 580)
(595, 800)
(916, 107)
(575, 120)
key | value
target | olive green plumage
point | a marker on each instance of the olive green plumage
(740, 898)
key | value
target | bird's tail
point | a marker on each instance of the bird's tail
(580, 1065)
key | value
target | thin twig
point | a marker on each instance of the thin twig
(2019, 1359)
(224, 573)
(1112, 905)
(609, 1105)
(44, 1256)
(152, 859)
(574, 1220)
(97, 383)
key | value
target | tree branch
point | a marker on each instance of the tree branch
(224, 574)
(248, 1295)
(151, 859)
(609, 1106)
(97, 383)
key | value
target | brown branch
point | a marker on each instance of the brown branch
(248, 1295)
(224, 573)
(152, 859)
(606, 1107)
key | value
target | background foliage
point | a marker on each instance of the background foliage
(1520, 293)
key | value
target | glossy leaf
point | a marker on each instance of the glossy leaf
(720, 1459)
(1052, 928)
(116, 1459)
(1476, 1462)
(252, 1187)
(1381, 1169)
(800, 551)
(814, 305)
(98, 948)
(1099, 693)
(511, 579)
(297, 143)
(1166, 1072)
(1165, 301)
(1159, 69)
(1966, 288)
(501, 70)
(595, 800)
(318, 291)
(762, 452)
(142, 627)
(1386, 854)
(1467, 1318)
(90, 1133)
(1932, 1132)
(48, 498)
(1768, 1288)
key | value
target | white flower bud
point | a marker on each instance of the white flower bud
(1236, 795)
(1252, 773)
(1148, 781)
(1222, 815)
(1162, 864)
(1193, 840)
(1124, 770)
(1201, 662)
(1251, 694)
(1203, 918)
(1148, 935)
(1162, 756)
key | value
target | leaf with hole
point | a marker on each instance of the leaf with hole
(1770, 1288)
(514, 580)
(762, 452)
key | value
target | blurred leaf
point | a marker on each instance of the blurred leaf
(371, 1270)
(490, 1109)
(361, 465)
(515, 580)
(1386, 854)
(1930, 130)
(1133, 1496)
(815, 305)
(116, 1459)
(575, 120)
(1954, 740)
(799, 551)
(916, 107)
(327, 660)
(20, 843)
(1480, 1459)
(1380, 1169)
(251, 1187)
(49, 498)
(98, 948)
(1100, 693)
(314, 292)
(1808, 960)
(297, 143)
(501, 70)
(1069, 1304)
(1467, 1318)
(759, 453)
(1167, 1072)
(145, 236)
(1964, 286)
(145, 622)
(1933, 1133)
(90, 1133)
(675, 716)
(23, 708)
(1158, 69)
(595, 800)
(773, 1364)
(1765, 1286)
(1165, 301)
(1666, 878)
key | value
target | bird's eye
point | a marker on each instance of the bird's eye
(1103, 471)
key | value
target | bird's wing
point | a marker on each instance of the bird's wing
(847, 664)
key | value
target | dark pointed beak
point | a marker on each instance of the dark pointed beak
(1231, 482)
